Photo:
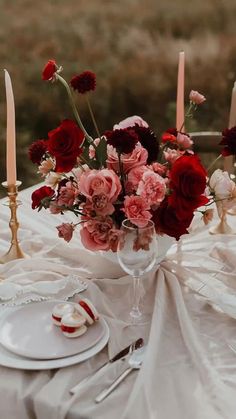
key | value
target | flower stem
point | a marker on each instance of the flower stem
(76, 114)
(92, 116)
(188, 114)
(212, 164)
(121, 173)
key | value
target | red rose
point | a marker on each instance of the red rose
(182, 206)
(166, 221)
(49, 70)
(65, 145)
(229, 142)
(188, 176)
(40, 194)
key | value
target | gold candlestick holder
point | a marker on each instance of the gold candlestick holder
(14, 251)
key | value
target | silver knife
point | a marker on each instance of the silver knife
(129, 349)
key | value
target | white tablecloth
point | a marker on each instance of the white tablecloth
(189, 370)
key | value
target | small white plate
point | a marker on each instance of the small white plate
(28, 331)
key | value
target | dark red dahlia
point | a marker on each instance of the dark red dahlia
(123, 140)
(37, 150)
(49, 70)
(229, 142)
(149, 141)
(84, 82)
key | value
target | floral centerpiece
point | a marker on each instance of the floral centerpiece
(124, 172)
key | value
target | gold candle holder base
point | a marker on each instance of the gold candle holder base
(14, 251)
(222, 227)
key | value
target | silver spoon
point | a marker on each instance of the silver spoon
(135, 362)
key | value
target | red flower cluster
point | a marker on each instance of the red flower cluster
(84, 82)
(49, 70)
(229, 142)
(41, 194)
(187, 183)
(37, 150)
(123, 140)
(65, 145)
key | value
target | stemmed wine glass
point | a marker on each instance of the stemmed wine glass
(137, 253)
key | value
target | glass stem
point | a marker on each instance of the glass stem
(135, 312)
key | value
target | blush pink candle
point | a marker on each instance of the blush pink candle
(229, 160)
(11, 132)
(180, 94)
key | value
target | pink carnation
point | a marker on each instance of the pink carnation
(130, 122)
(65, 231)
(159, 168)
(92, 149)
(171, 155)
(135, 175)
(152, 188)
(138, 157)
(136, 210)
(95, 233)
(96, 182)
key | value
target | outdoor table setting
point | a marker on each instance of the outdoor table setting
(154, 299)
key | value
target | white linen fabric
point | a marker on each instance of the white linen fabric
(189, 370)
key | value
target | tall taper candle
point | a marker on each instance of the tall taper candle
(180, 94)
(11, 132)
(229, 160)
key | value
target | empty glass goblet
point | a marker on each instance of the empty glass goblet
(137, 253)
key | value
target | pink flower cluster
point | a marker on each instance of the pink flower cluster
(117, 175)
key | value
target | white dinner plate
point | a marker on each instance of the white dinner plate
(28, 331)
(11, 360)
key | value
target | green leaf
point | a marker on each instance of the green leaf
(101, 152)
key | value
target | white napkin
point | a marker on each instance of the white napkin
(20, 290)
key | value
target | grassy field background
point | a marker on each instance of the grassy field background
(131, 45)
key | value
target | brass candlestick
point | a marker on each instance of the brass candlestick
(14, 251)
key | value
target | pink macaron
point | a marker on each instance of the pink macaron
(86, 308)
(73, 325)
(60, 310)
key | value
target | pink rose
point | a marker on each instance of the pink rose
(138, 157)
(196, 97)
(101, 205)
(135, 175)
(184, 140)
(136, 210)
(95, 233)
(65, 231)
(130, 122)
(67, 195)
(152, 188)
(96, 182)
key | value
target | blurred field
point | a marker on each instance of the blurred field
(133, 48)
